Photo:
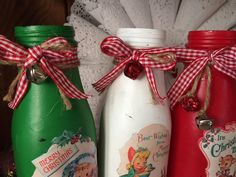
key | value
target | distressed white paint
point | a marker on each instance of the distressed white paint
(129, 107)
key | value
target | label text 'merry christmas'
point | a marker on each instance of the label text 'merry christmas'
(54, 160)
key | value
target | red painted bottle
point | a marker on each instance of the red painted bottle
(205, 146)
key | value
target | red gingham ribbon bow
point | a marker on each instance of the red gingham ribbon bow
(224, 60)
(47, 59)
(114, 46)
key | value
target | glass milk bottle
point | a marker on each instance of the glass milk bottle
(49, 140)
(135, 130)
(204, 145)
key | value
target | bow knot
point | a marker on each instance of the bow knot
(34, 55)
(223, 60)
(134, 61)
(213, 55)
(136, 55)
(51, 56)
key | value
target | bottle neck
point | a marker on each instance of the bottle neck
(138, 38)
(210, 40)
(30, 36)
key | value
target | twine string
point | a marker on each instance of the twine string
(51, 56)
(193, 90)
(11, 90)
(208, 92)
(151, 58)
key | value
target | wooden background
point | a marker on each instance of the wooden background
(23, 13)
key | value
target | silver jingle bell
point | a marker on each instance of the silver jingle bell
(36, 75)
(203, 122)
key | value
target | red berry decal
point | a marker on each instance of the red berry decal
(133, 69)
(190, 103)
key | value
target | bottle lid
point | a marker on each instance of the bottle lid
(212, 34)
(34, 35)
(142, 37)
(211, 39)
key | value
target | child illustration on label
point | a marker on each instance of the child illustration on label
(82, 166)
(219, 147)
(225, 165)
(71, 154)
(138, 166)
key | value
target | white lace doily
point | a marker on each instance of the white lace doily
(163, 17)
(139, 12)
(94, 64)
(111, 16)
(223, 19)
(94, 19)
(192, 13)
(81, 8)
(163, 13)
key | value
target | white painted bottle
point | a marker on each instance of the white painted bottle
(135, 130)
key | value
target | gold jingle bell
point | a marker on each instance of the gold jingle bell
(203, 122)
(36, 75)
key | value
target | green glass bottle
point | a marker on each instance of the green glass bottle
(49, 140)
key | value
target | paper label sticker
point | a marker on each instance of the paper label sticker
(146, 153)
(219, 147)
(71, 155)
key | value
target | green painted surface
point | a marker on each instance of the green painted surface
(41, 115)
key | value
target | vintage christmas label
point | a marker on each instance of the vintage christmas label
(219, 147)
(146, 153)
(71, 155)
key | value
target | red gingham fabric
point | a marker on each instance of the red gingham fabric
(47, 59)
(224, 60)
(115, 47)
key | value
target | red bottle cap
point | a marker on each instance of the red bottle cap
(210, 39)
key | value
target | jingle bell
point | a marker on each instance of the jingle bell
(190, 103)
(203, 122)
(35, 74)
(133, 69)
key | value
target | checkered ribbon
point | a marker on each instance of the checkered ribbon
(123, 54)
(49, 61)
(224, 60)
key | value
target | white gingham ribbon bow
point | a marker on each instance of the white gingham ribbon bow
(224, 60)
(47, 59)
(122, 53)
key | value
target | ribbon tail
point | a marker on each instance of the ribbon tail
(20, 92)
(110, 77)
(228, 71)
(61, 81)
(184, 80)
(152, 82)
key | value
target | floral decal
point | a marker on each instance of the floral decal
(70, 137)
(210, 137)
